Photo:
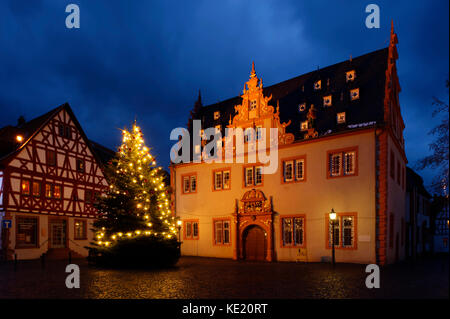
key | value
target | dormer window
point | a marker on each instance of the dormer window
(350, 75)
(304, 126)
(216, 115)
(341, 117)
(252, 104)
(354, 94)
(218, 128)
(302, 107)
(318, 85)
(327, 100)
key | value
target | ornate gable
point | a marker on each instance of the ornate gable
(255, 109)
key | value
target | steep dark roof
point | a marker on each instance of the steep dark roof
(8, 144)
(370, 79)
(414, 180)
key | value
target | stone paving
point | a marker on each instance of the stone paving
(196, 277)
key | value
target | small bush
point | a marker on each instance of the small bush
(139, 252)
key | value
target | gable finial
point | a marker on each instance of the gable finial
(253, 73)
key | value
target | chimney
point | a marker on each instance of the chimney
(21, 121)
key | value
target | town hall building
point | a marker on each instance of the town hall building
(340, 148)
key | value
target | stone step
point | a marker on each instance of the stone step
(61, 253)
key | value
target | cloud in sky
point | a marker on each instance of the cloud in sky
(147, 59)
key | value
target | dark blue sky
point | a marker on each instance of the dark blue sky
(147, 59)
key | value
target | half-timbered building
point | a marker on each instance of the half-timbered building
(50, 175)
(340, 147)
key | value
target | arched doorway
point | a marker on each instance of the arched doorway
(255, 243)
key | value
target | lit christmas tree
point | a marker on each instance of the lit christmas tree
(136, 208)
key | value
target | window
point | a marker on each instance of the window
(191, 229)
(293, 170)
(57, 192)
(27, 232)
(342, 162)
(304, 126)
(302, 107)
(293, 231)
(218, 128)
(258, 175)
(350, 75)
(61, 130)
(216, 115)
(248, 135)
(80, 229)
(392, 165)
(51, 158)
(327, 100)
(259, 132)
(288, 171)
(25, 187)
(253, 176)
(221, 179)
(53, 191)
(354, 94)
(341, 117)
(189, 183)
(68, 132)
(36, 189)
(80, 165)
(222, 232)
(344, 231)
(317, 85)
(88, 196)
(252, 105)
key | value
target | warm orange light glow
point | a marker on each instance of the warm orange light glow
(19, 138)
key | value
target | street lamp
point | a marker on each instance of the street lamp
(179, 229)
(333, 220)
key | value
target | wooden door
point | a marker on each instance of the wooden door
(255, 244)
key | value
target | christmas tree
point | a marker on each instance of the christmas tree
(136, 208)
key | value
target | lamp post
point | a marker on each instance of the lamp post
(179, 229)
(333, 220)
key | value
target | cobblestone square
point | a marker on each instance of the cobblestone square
(196, 277)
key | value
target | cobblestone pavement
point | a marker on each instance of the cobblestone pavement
(196, 277)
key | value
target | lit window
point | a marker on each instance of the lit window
(293, 231)
(341, 117)
(350, 75)
(36, 189)
(218, 180)
(80, 165)
(302, 107)
(248, 134)
(226, 179)
(327, 100)
(344, 231)
(191, 229)
(218, 128)
(317, 85)
(354, 94)
(300, 169)
(342, 163)
(188, 229)
(25, 187)
(193, 183)
(216, 115)
(48, 190)
(304, 126)
(57, 191)
(252, 105)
